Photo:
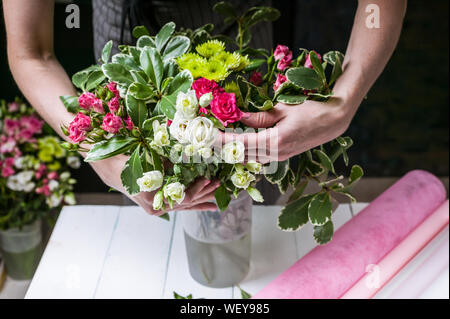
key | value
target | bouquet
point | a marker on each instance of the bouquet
(165, 100)
(34, 168)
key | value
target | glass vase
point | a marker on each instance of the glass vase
(21, 250)
(218, 243)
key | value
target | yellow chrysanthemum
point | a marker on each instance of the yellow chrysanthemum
(54, 166)
(196, 66)
(210, 48)
(231, 60)
(186, 59)
(215, 70)
(243, 63)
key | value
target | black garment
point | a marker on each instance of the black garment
(112, 19)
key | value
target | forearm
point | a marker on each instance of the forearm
(368, 51)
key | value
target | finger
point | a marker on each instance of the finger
(262, 119)
(204, 206)
(208, 198)
(196, 187)
(210, 188)
(262, 139)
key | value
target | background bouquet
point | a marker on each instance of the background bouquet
(165, 100)
(34, 168)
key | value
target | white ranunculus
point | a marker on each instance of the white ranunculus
(54, 200)
(187, 104)
(178, 128)
(150, 181)
(233, 152)
(158, 201)
(205, 152)
(175, 191)
(242, 179)
(201, 132)
(160, 134)
(74, 162)
(205, 99)
(254, 167)
(70, 199)
(53, 185)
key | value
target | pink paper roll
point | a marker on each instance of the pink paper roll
(398, 257)
(329, 271)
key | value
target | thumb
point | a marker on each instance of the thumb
(261, 119)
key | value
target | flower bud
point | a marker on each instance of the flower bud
(205, 99)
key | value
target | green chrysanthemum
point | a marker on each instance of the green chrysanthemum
(215, 70)
(210, 48)
(232, 87)
(243, 63)
(231, 60)
(187, 59)
(197, 67)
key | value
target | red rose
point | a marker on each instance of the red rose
(202, 86)
(224, 108)
(112, 123)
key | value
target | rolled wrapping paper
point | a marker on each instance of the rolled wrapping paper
(329, 271)
(398, 257)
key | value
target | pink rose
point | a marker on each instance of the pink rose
(45, 189)
(114, 104)
(53, 175)
(129, 123)
(281, 51)
(112, 123)
(97, 105)
(82, 121)
(202, 86)
(7, 171)
(41, 171)
(280, 80)
(32, 124)
(308, 63)
(13, 107)
(11, 126)
(224, 108)
(85, 100)
(26, 135)
(256, 78)
(202, 111)
(75, 134)
(112, 86)
(284, 63)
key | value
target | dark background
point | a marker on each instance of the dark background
(403, 123)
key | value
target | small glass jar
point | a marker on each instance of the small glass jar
(218, 243)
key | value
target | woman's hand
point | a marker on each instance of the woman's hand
(198, 195)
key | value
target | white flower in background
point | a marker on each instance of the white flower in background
(150, 181)
(189, 150)
(19, 162)
(187, 104)
(242, 179)
(74, 162)
(233, 152)
(178, 128)
(24, 177)
(158, 201)
(54, 200)
(177, 147)
(53, 185)
(7, 147)
(29, 187)
(205, 152)
(254, 167)
(160, 134)
(201, 132)
(13, 183)
(70, 199)
(205, 99)
(175, 191)
(64, 176)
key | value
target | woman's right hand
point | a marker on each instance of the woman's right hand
(198, 195)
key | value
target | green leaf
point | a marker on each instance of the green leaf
(222, 197)
(325, 160)
(166, 217)
(320, 209)
(304, 77)
(177, 296)
(318, 68)
(355, 174)
(131, 172)
(291, 99)
(225, 8)
(167, 105)
(139, 76)
(267, 105)
(152, 65)
(137, 110)
(163, 35)
(140, 91)
(147, 125)
(255, 194)
(298, 191)
(170, 68)
(117, 73)
(255, 64)
(80, 78)
(106, 52)
(295, 214)
(109, 148)
(280, 172)
(94, 79)
(140, 31)
(145, 41)
(157, 164)
(177, 46)
(244, 294)
(263, 14)
(182, 82)
(336, 59)
(71, 103)
(324, 233)
(125, 60)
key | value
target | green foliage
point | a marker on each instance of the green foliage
(131, 172)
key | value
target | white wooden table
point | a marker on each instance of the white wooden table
(121, 252)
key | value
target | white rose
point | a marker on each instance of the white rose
(201, 132)
(54, 200)
(175, 191)
(242, 179)
(74, 162)
(254, 167)
(70, 199)
(205, 99)
(160, 134)
(187, 104)
(189, 150)
(178, 128)
(205, 152)
(150, 181)
(233, 152)
(53, 185)
(158, 201)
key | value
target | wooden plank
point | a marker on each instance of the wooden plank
(74, 257)
(136, 263)
(178, 276)
(273, 250)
